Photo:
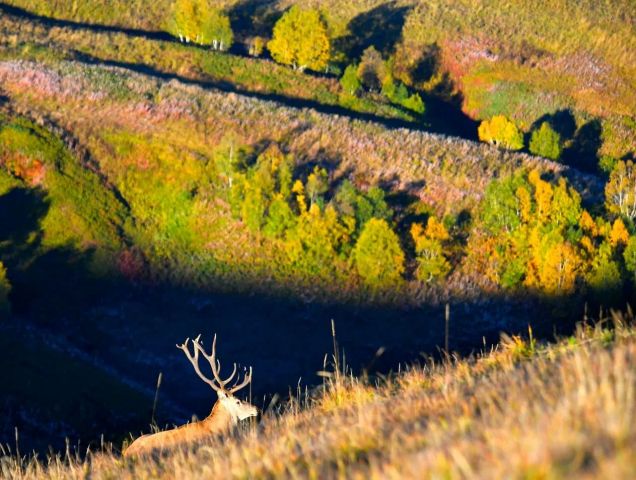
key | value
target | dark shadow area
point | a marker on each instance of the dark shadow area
(44, 388)
(583, 150)
(562, 122)
(131, 330)
(54, 22)
(444, 101)
(380, 27)
(45, 281)
(251, 18)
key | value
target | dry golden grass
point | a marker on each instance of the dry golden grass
(523, 410)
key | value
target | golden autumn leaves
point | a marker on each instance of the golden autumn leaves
(538, 236)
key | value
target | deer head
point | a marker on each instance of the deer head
(237, 409)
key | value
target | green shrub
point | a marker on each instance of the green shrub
(349, 81)
(546, 142)
(378, 256)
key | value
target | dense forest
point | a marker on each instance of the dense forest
(261, 168)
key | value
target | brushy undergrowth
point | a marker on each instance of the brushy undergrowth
(522, 410)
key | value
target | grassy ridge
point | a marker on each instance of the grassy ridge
(577, 55)
(523, 410)
(31, 40)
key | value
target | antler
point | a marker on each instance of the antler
(215, 366)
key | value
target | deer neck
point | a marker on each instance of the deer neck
(219, 419)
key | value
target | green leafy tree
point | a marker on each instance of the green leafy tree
(415, 103)
(629, 255)
(501, 132)
(280, 218)
(349, 81)
(546, 142)
(378, 255)
(229, 160)
(362, 206)
(253, 207)
(300, 39)
(200, 22)
(605, 279)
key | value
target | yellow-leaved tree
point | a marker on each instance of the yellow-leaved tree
(501, 132)
(199, 21)
(300, 39)
(432, 264)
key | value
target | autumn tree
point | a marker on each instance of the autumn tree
(620, 190)
(536, 234)
(300, 39)
(317, 184)
(362, 206)
(198, 21)
(546, 142)
(501, 132)
(378, 255)
(432, 263)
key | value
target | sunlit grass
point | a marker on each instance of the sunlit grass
(522, 410)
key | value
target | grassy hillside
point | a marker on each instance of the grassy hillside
(523, 410)
(522, 59)
(157, 144)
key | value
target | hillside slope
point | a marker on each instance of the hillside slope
(524, 59)
(155, 142)
(523, 410)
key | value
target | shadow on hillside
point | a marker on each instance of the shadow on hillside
(443, 100)
(132, 328)
(297, 103)
(45, 281)
(251, 18)
(380, 27)
(443, 116)
(582, 153)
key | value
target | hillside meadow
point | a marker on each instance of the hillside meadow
(515, 58)
(154, 143)
(522, 410)
(153, 187)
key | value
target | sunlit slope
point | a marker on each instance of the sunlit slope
(522, 411)
(519, 58)
(157, 145)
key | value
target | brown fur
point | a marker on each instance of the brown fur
(219, 421)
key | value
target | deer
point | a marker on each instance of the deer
(226, 413)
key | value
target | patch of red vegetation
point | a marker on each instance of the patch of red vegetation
(31, 170)
(459, 55)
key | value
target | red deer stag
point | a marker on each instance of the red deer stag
(226, 413)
